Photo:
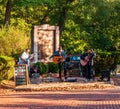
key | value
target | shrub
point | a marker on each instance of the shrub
(13, 41)
(106, 60)
(6, 68)
(42, 67)
(53, 67)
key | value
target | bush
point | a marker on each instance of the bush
(53, 67)
(106, 60)
(6, 68)
(42, 67)
(13, 41)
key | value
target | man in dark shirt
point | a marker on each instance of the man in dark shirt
(61, 52)
(87, 59)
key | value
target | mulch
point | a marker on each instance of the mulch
(8, 87)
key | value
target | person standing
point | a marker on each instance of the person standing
(87, 61)
(62, 62)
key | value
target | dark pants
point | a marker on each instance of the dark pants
(105, 74)
(82, 70)
(88, 71)
(60, 65)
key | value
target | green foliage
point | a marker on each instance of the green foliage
(12, 41)
(2, 12)
(99, 16)
(53, 67)
(42, 67)
(28, 3)
(70, 40)
(88, 23)
(21, 25)
(106, 60)
(6, 68)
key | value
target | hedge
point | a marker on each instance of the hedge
(6, 68)
(42, 67)
(53, 68)
(106, 60)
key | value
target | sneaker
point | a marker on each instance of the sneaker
(91, 80)
(64, 80)
(60, 80)
(100, 80)
(86, 80)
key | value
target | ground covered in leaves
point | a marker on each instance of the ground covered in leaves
(58, 86)
(9, 86)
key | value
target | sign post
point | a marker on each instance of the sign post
(21, 75)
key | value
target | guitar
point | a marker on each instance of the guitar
(57, 59)
(31, 56)
(85, 61)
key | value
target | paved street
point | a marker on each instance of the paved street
(73, 99)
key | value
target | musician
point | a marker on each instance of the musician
(25, 58)
(88, 56)
(61, 52)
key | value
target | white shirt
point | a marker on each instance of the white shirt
(24, 56)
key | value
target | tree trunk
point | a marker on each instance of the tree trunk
(62, 20)
(7, 13)
(63, 16)
(44, 19)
